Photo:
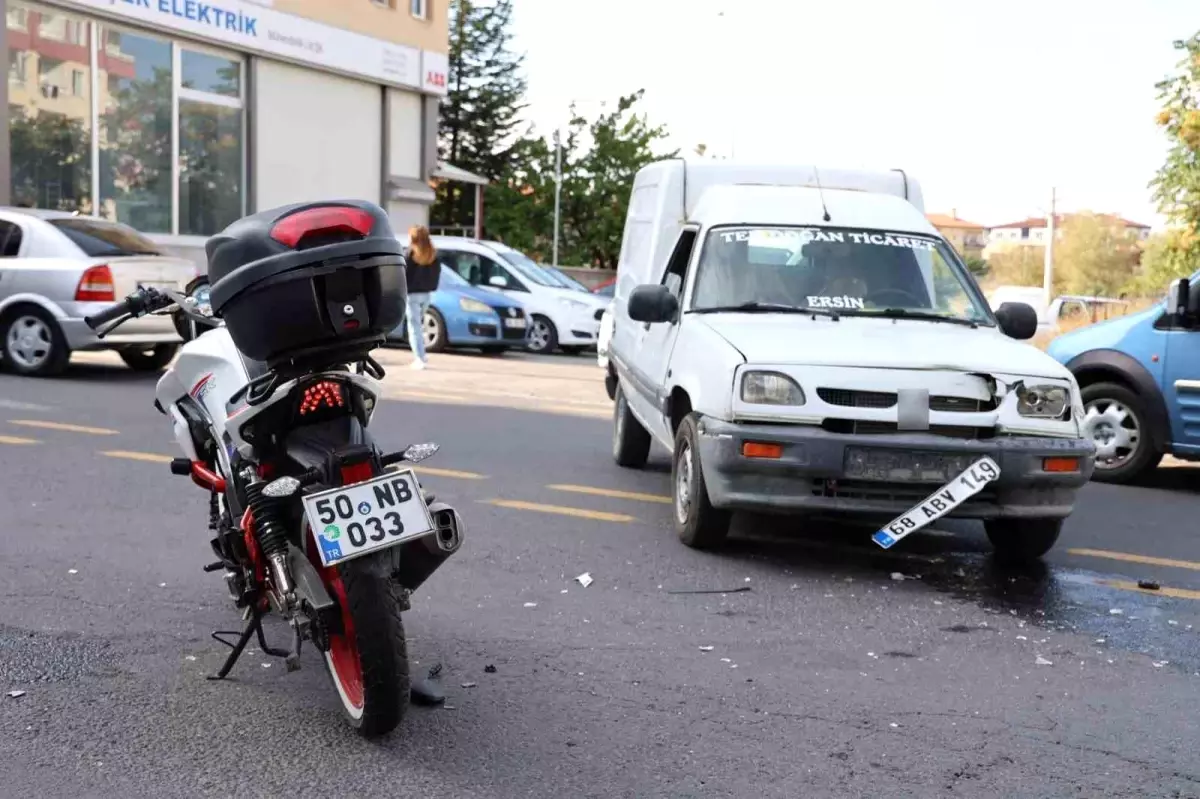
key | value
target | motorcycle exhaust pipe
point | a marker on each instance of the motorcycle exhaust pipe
(421, 557)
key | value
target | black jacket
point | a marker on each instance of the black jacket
(421, 279)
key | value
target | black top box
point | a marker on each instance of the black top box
(308, 280)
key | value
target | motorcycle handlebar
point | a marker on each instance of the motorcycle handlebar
(140, 302)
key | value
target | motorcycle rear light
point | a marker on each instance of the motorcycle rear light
(322, 221)
(325, 394)
(96, 285)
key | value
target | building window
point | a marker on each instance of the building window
(170, 134)
(50, 127)
(210, 142)
(419, 8)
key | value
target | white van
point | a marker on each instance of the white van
(561, 317)
(806, 341)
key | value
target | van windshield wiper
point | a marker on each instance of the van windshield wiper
(905, 313)
(769, 307)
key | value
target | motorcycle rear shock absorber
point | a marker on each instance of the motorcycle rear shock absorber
(270, 529)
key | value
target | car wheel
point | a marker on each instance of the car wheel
(1019, 541)
(631, 442)
(1114, 418)
(543, 336)
(153, 359)
(697, 522)
(34, 344)
(433, 327)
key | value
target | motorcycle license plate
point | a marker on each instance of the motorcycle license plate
(356, 520)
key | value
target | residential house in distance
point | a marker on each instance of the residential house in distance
(968, 238)
(1031, 232)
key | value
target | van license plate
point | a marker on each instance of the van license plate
(939, 503)
(356, 520)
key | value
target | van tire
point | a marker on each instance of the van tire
(631, 442)
(1145, 456)
(697, 523)
(1019, 541)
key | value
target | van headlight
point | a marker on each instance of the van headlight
(770, 388)
(1043, 402)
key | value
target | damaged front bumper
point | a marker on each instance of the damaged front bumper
(806, 468)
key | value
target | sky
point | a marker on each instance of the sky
(988, 103)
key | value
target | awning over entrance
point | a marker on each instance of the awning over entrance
(446, 171)
(454, 174)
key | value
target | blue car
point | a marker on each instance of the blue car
(1140, 380)
(462, 315)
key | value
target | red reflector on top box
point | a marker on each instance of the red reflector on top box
(291, 230)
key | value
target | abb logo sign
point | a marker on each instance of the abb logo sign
(437, 79)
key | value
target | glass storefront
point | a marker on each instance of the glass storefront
(148, 131)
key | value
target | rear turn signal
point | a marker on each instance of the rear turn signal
(325, 394)
(1060, 464)
(757, 449)
(323, 221)
(96, 285)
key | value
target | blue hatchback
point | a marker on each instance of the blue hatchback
(1140, 380)
(462, 315)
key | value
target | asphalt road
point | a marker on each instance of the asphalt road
(828, 677)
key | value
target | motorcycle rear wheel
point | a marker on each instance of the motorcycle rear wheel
(368, 662)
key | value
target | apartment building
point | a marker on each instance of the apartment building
(1033, 232)
(969, 238)
(179, 116)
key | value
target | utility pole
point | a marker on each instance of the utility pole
(557, 190)
(1048, 271)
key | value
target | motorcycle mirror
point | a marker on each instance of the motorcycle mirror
(419, 452)
(281, 487)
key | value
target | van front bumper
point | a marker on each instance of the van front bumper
(885, 475)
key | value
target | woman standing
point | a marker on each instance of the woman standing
(423, 272)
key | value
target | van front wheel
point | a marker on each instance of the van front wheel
(697, 522)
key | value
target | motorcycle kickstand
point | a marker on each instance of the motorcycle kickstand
(253, 624)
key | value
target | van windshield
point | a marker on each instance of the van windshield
(848, 271)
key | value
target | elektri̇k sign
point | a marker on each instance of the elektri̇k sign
(250, 27)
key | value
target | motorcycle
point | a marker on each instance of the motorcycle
(270, 399)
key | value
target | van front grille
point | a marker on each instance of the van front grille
(854, 398)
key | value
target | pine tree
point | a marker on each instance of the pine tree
(482, 112)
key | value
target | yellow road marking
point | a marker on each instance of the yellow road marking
(434, 472)
(581, 513)
(612, 492)
(149, 457)
(1177, 593)
(69, 428)
(18, 440)
(1131, 558)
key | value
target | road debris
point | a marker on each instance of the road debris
(435, 671)
(469, 684)
(15, 694)
(1172, 622)
(1158, 664)
(1041, 661)
(266, 665)
(489, 669)
(726, 660)
(189, 657)
(584, 579)
(1148, 585)
(531, 604)
(901, 577)
(72, 571)
(1022, 638)
(1116, 612)
(710, 590)
(706, 649)
(162, 585)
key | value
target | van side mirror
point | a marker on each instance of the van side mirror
(1178, 297)
(1017, 320)
(652, 304)
(499, 281)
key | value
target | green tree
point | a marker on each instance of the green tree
(1019, 266)
(1096, 256)
(481, 115)
(976, 265)
(1177, 184)
(1165, 256)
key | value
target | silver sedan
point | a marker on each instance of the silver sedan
(57, 268)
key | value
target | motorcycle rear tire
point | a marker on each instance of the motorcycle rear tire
(368, 664)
